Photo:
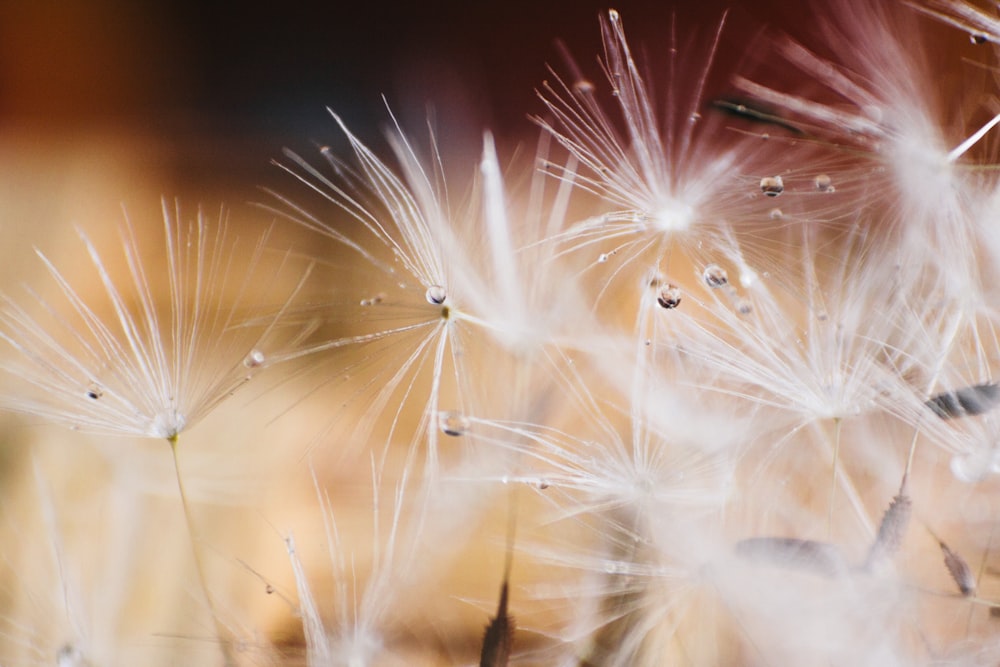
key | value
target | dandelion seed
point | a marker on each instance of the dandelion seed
(157, 365)
(772, 186)
(959, 570)
(891, 531)
(715, 276)
(820, 558)
(453, 423)
(969, 401)
(498, 640)
(669, 297)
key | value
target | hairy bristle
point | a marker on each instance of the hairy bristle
(966, 402)
(959, 570)
(891, 531)
(498, 640)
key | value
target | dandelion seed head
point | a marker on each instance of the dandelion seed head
(673, 216)
(167, 425)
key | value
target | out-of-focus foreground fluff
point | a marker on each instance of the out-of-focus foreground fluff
(706, 376)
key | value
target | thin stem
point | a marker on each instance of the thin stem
(833, 475)
(202, 580)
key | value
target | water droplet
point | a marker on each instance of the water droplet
(375, 300)
(615, 567)
(583, 87)
(70, 656)
(614, 15)
(695, 117)
(543, 484)
(743, 307)
(603, 257)
(772, 186)
(776, 214)
(978, 38)
(436, 294)
(255, 359)
(669, 297)
(94, 391)
(269, 589)
(715, 276)
(970, 468)
(824, 183)
(453, 423)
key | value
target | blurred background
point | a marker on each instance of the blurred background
(198, 97)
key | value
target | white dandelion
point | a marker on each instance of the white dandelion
(678, 178)
(454, 276)
(127, 360)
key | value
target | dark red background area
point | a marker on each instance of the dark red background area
(231, 84)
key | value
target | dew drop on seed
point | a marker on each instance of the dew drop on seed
(255, 359)
(772, 186)
(436, 294)
(824, 183)
(669, 297)
(583, 87)
(969, 468)
(269, 589)
(743, 307)
(453, 423)
(614, 16)
(615, 567)
(603, 257)
(70, 656)
(715, 276)
(374, 301)
(94, 391)
(543, 484)
(776, 214)
(977, 38)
